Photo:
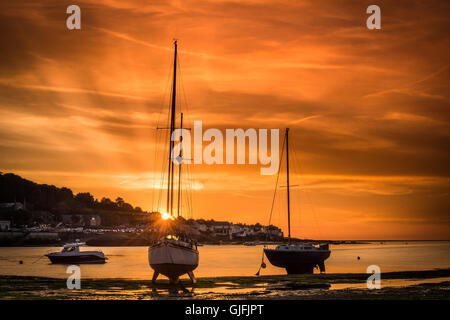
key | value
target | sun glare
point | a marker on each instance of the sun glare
(165, 216)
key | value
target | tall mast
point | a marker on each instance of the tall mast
(179, 167)
(172, 128)
(287, 180)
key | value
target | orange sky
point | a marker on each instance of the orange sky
(368, 110)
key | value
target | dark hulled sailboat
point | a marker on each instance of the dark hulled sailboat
(296, 258)
(173, 255)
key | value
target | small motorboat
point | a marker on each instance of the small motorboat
(71, 254)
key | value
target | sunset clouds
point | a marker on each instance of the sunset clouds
(368, 109)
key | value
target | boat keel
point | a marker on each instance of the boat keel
(191, 275)
(155, 275)
(321, 266)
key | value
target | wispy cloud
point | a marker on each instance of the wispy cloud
(408, 88)
(369, 111)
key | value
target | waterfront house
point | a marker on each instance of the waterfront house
(5, 225)
(14, 206)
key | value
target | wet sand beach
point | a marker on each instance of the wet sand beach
(431, 284)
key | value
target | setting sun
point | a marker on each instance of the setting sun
(166, 216)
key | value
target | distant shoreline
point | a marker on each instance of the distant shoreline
(216, 243)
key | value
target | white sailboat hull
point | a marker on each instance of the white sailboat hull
(172, 259)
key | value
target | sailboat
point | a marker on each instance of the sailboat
(173, 254)
(296, 258)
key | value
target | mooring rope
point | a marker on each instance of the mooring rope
(40, 257)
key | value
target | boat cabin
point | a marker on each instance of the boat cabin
(298, 247)
(72, 247)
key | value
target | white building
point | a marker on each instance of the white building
(199, 226)
(5, 225)
(275, 232)
(236, 229)
(12, 205)
(221, 229)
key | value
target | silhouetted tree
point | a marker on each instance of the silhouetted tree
(107, 204)
(85, 199)
(119, 202)
(57, 201)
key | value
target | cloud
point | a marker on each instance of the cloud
(407, 88)
(368, 111)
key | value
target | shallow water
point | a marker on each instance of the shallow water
(233, 260)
